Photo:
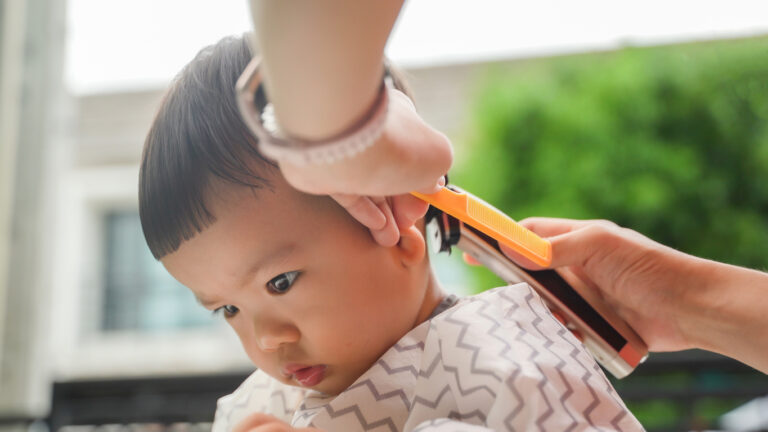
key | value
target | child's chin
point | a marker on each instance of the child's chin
(330, 386)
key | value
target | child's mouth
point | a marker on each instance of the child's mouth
(306, 376)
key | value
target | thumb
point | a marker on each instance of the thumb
(578, 247)
(574, 247)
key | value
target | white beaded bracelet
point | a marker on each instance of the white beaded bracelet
(259, 117)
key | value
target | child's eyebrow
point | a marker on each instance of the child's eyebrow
(267, 260)
(204, 302)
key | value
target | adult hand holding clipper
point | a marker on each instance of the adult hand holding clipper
(674, 301)
(460, 219)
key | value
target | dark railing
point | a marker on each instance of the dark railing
(688, 390)
(156, 404)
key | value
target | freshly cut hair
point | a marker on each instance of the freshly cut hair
(197, 135)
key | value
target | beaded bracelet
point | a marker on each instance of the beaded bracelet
(259, 116)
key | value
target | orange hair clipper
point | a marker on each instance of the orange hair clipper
(458, 218)
(490, 221)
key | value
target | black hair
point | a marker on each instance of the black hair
(196, 136)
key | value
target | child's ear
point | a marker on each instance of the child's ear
(411, 247)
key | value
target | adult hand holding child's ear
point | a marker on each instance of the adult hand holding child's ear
(323, 66)
(374, 185)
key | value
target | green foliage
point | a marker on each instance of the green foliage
(669, 141)
(657, 414)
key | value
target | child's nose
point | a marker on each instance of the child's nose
(271, 336)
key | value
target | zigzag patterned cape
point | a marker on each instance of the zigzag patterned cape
(497, 361)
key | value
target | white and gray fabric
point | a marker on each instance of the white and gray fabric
(497, 361)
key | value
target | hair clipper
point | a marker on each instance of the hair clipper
(457, 218)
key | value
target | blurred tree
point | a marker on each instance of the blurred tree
(669, 141)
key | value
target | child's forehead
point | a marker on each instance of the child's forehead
(278, 223)
(221, 195)
(276, 204)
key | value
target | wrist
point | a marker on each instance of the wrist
(700, 311)
(258, 115)
(729, 316)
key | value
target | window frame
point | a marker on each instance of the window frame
(80, 350)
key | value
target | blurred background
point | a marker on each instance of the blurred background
(653, 114)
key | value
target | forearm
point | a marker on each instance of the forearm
(732, 313)
(322, 60)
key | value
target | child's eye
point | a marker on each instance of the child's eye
(228, 310)
(282, 283)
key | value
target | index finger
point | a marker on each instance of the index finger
(364, 209)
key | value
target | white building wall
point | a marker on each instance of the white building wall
(32, 96)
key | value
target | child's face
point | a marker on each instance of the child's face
(314, 300)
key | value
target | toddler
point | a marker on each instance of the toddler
(346, 334)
